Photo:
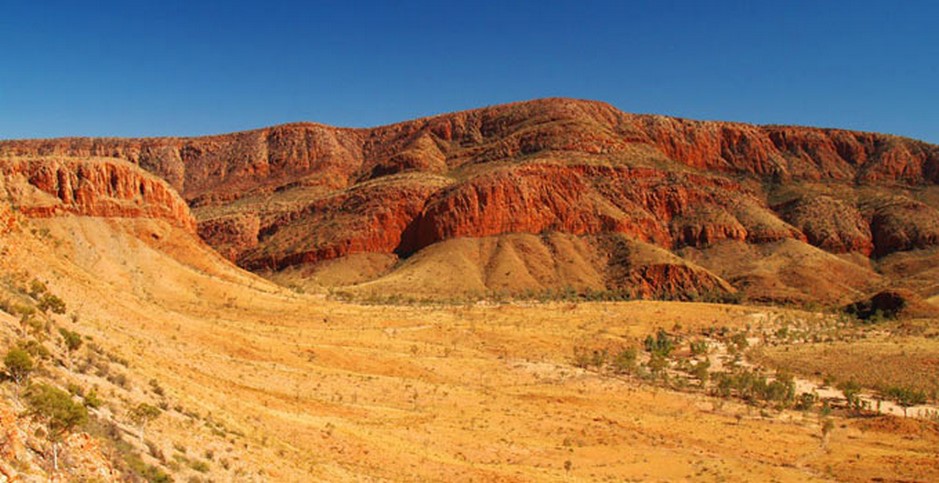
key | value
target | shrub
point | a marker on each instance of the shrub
(906, 397)
(662, 344)
(34, 348)
(805, 401)
(92, 400)
(18, 365)
(200, 466)
(37, 289)
(55, 408)
(72, 340)
(700, 371)
(699, 347)
(142, 414)
(851, 391)
(50, 302)
(625, 361)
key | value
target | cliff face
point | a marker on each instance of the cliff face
(218, 169)
(303, 193)
(43, 187)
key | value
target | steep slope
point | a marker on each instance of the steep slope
(292, 196)
(105, 187)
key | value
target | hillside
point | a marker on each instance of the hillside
(284, 201)
(254, 382)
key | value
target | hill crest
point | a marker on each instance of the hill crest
(300, 194)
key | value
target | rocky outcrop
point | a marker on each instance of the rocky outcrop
(43, 187)
(891, 304)
(899, 223)
(655, 206)
(647, 271)
(830, 224)
(217, 169)
(370, 217)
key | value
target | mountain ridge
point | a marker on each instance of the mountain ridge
(300, 194)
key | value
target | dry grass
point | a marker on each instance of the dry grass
(879, 362)
(309, 389)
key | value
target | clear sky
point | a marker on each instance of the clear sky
(166, 67)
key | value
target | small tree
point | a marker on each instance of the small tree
(827, 426)
(852, 394)
(37, 288)
(26, 313)
(73, 342)
(61, 415)
(700, 371)
(19, 366)
(142, 414)
(906, 397)
(625, 361)
(661, 344)
(50, 302)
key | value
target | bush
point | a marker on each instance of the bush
(50, 302)
(72, 340)
(584, 358)
(699, 347)
(906, 397)
(34, 348)
(200, 466)
(37, 289)
(662, 344)
(92, 400)
(55, 408)
(625, 361)
(18, 365)
(851, 391)
(752, 386)
(805, 401)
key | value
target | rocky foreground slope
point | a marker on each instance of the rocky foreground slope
(532, 196)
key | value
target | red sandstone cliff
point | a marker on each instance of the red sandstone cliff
(304, 193)
(43, 187)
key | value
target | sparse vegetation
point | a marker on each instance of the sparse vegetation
(19, 365)
(57, 411)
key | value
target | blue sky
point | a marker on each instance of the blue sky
(147, 68)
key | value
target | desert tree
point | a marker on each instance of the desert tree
(827, 426)
(19, 365)
(852, 394)
(55, 408)
(72, 341)
(49, 302)
(142, 414)
(906, 397)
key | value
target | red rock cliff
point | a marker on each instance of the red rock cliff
(43, 187)
(303, 193)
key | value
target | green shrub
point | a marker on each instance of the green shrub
(662, 344)
(72, 340)
(50, 302)
(624, 362)
(19, 365)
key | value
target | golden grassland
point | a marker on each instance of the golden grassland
(879, 361)
(294, 387)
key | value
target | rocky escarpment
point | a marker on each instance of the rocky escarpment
(217, 169)
(43, 187)
(301, 194)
